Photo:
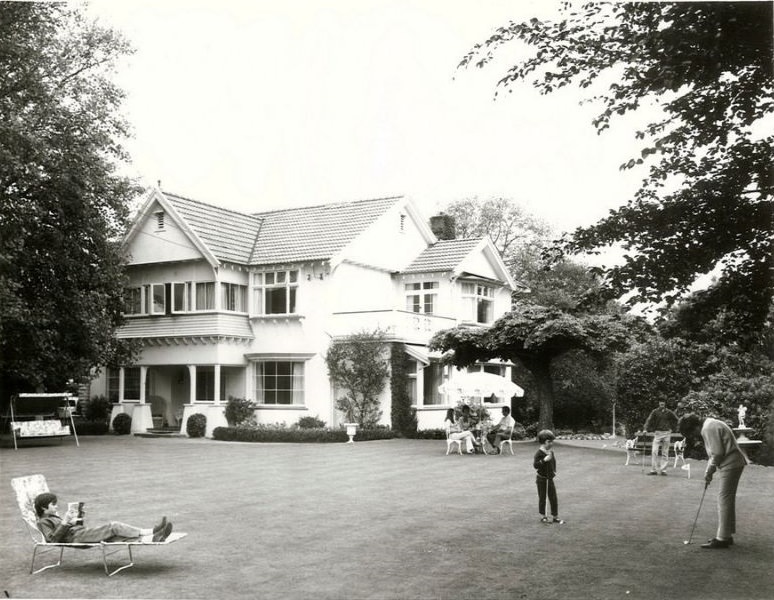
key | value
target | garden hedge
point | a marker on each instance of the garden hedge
(250, 434)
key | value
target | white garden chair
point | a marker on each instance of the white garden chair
(450, 441)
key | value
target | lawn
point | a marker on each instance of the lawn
(386, 519)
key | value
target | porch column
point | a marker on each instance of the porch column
(121, 384)
(142, 419)
(143, 381)
(216, 393)
(192, 377)
(420, 383)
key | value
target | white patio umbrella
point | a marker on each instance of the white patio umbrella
(481, 384)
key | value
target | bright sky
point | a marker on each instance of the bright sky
(269, 104)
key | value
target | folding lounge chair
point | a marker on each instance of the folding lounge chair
(27, 488)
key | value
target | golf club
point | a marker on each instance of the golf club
(690, 537)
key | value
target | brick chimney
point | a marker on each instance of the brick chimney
(442, 226)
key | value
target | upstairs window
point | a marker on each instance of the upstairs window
(133, 301)
(159, 299)
(233, 297)
(275, 292)
(205, 295)
(478, 300)
(421, 297)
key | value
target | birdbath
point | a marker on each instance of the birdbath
(351, 431)
(742, 431)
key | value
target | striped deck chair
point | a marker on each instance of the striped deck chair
(27, 489)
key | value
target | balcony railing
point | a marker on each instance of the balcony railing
(400, 325)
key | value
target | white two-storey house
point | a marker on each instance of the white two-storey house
(232, 304)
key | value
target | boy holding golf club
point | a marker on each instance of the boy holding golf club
(545, 465)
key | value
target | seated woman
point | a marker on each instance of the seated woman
(457, 433)
(57, 529)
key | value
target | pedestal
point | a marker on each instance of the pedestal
(742, 439)
(351, 431)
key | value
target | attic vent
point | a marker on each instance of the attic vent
(403, 223)
(159, 220)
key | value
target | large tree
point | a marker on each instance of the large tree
(63, 206)
(706, 201)
(535, 336)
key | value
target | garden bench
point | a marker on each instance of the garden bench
(642, 444)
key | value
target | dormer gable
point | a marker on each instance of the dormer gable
(160, 234)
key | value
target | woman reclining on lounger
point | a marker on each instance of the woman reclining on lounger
(58, 530)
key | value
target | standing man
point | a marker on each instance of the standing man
(661, 422)
(729, 460)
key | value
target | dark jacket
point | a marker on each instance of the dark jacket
(544, 469)
(54, 530)
(661, 420)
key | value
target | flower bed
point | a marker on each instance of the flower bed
(274, 434)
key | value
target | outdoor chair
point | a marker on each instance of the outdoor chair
(27, 489)
(450, 441)
(508, 441)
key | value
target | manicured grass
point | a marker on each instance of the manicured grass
(386, 519)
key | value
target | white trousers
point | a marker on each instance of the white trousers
(661, 441)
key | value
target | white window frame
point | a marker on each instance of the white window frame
(481, 293)
(422, 293)
(227, 295)
(259, 367)
(195, 296)
(268, 280)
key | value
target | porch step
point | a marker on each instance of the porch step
(167, 433)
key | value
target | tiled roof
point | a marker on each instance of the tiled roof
(314, 232)
(228, 234)
(444, 255)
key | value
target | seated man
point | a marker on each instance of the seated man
(501, 431)
(56, 529)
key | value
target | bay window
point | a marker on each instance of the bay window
(233, 297)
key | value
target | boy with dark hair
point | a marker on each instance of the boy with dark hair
(57, 529)
(545, 465)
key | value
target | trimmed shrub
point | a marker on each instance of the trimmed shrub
(281, 434)
(122, 424)
(196, 426)
(429, 434)
(311, 423)
(239, 411)
(97, 409)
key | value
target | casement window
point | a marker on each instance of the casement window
(131, 383)
(421, 297)
(233, 297)
(133, 301)
(411, 380)
(158, 299)
(478, 301)
(275, 292)
(436, 375)
(205, 384)
(205, 295)
(113, 375)
(279, 382)
(181, 297)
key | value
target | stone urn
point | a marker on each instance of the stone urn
(351, 431)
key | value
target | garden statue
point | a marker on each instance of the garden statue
(741, 412)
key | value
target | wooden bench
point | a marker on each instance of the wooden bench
(642, 444)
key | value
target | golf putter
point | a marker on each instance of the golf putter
(690, 537)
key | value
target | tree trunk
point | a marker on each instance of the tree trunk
(541, 371)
